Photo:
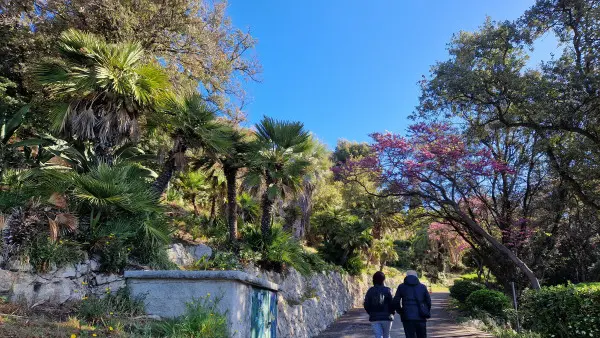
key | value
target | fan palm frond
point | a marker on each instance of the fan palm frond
(103, 87)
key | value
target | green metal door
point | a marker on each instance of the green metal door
(264, 314)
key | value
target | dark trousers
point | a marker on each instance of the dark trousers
(415, 329)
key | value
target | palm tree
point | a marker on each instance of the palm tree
(318, 157)
(104, 89)
(9, 123)
(278, 160)
(192, 125)
(192, 184)
(233, 160)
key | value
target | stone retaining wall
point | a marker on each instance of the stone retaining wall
(307, 305)
(58, 286)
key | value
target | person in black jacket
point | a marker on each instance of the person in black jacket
(378, 304)
(413, 303)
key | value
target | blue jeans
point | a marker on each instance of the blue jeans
(382, 328)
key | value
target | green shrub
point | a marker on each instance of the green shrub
(563, 311)
(354, 266)
(279, 250)
(317, 263)
(202, 319)
(221, 261)
(463, 288)
(490, 301)
(113, 255)
(120, 303)
(43, 253)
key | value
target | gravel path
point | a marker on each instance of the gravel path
(355, 324)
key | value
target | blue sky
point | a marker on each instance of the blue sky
(347, 68)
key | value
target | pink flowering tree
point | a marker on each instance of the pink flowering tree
(451, 178)
(445, 236)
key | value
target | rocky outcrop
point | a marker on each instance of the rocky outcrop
(307, 305)
(186, 255)
(58, 286)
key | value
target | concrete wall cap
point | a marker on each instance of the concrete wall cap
(210, 275)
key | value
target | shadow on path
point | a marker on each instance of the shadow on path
(355, 324)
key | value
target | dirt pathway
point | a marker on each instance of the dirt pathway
(355, 324)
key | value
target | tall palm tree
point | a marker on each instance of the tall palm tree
(233, 160)
(320, 164)
(278, 159)
(192, 125)
(104, 89)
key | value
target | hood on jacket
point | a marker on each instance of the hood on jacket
(411, 280)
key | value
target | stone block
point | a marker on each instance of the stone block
(7, 279)
(201, 250)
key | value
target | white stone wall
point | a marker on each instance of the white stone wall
(307, 305)
(58, 286)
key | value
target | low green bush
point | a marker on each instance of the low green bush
(220, 261)
(202, 319)
(119, 303)
(44, 253)
(463, 288)
(567, 311)
(490, 301)
(279, 250)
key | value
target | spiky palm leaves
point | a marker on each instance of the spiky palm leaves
(192, 125)
(193, 185)
(115, 203)
(278, 161)
(9, 123)
(104, 89)
(111, 189)
(25, 225)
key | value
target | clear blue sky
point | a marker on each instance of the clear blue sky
(347, 68)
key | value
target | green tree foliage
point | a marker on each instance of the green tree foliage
(342, 236)
(191, 125)
(540, 121)
(194, 38)
(104, 89)
(278, 162)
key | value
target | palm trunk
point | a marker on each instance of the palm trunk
(213, 207)
(162, 181)
(265, 222)
(230, 177)
(104, 153)
(196, 211)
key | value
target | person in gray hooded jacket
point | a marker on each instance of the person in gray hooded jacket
(413, 303)
(378, 304)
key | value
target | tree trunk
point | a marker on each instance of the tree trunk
(104, 153)
(196, 211)
(535, 283)
(213, 210)
(265, 221)
(230, 177)
(162, 181)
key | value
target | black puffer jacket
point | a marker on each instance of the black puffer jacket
(406, 303)
(378, 303)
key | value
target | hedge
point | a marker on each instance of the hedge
(490, 301)
(463, 288)
(571, 311)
